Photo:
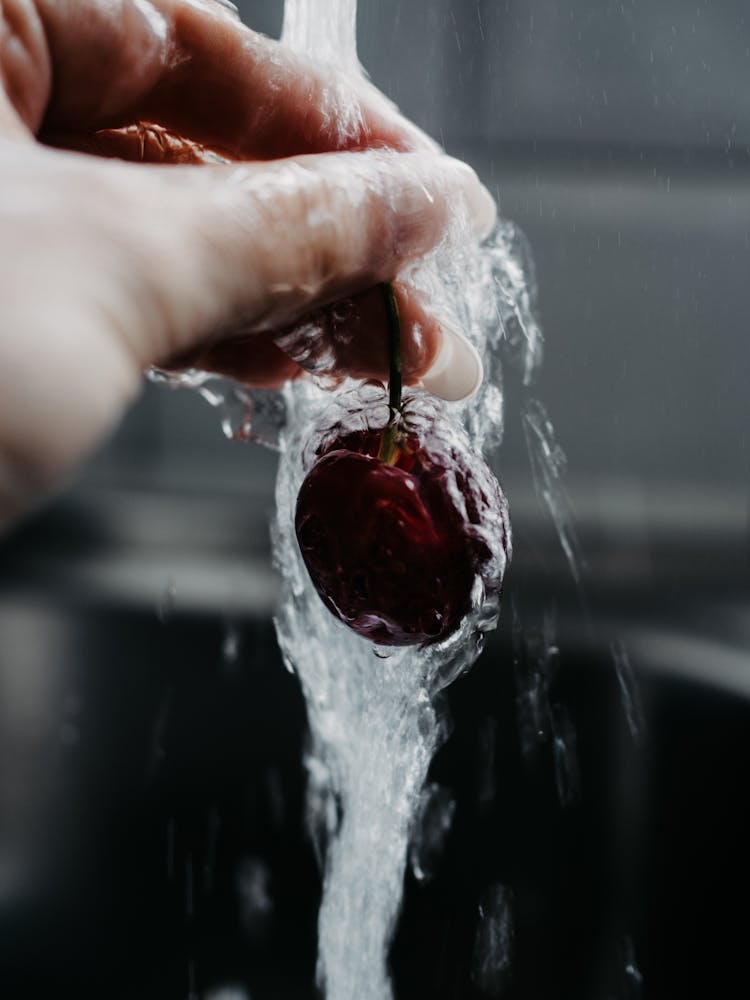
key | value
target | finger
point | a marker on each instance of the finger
(190, 66)
(260, 246)
(351, 339)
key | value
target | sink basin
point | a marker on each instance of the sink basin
(152, 834)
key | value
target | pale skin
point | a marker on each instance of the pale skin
(121, 248)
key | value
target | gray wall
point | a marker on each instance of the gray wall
(614, 72)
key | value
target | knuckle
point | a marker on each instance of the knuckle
(315, 229)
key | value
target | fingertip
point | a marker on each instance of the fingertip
(456, 372)
(420, 334)
(436, 355)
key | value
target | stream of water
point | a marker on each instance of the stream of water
(374, 720)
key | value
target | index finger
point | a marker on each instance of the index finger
(192, 67)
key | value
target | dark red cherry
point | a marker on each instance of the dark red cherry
(394, 550)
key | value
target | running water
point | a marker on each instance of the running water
(373, 713)
(374, 724)
(327, 32)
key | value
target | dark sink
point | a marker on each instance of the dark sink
(152, 840)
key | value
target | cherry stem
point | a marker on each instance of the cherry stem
(389, 450)
(394, 340)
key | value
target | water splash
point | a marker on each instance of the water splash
(246, 414)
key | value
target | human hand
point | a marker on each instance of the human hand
(107, 267)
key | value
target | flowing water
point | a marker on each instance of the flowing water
(374, 717)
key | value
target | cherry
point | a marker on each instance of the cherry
(394, 548)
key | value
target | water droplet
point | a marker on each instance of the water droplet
(246, 414)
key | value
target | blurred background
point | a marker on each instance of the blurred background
(151, 743)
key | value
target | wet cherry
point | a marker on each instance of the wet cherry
(392, 550)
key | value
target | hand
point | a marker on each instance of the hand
(107, 267)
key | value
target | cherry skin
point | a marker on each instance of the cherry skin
(391, 549)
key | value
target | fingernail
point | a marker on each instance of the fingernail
(456, 372)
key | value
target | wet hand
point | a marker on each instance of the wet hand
(107, 267)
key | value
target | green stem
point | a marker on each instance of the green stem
(394, 339)
(389, 445)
